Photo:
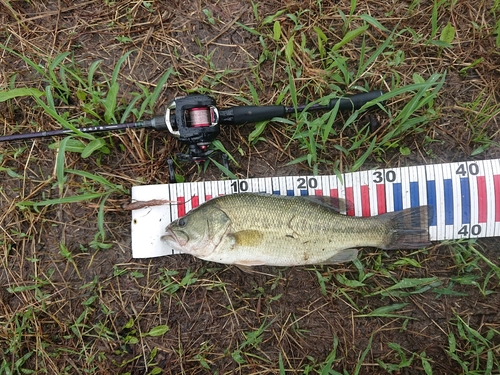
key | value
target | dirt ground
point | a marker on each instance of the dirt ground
(96, 309)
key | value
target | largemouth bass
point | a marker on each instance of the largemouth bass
(252, 229)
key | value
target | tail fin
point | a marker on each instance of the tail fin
(409, 228)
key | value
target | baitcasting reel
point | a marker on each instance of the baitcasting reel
(195, 122)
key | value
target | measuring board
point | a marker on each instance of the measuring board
(464, 198)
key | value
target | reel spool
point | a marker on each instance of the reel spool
(196, 123)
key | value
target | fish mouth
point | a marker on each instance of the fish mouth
(173, 239)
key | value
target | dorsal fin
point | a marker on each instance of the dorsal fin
(339, 205)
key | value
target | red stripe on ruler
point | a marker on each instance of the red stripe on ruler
(208, 197)
(365, 201)
(349, 196)
(334, 193)
(381, 199)
(195, 201)
(482, 202)
(318, 192)
(496, 183)
(181, 206)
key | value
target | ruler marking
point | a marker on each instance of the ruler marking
(229, 188)
(448, 201)
(389, 190)
(493, 200)
(405, 186)
(341, 187)
(398, 196)
(474, 201)
(188, 197)
(201, 193)
(366, 195)
(313, 184)
(195, 201)
(432, 201)
(217, 189)
(421, 179)
(349, 194)
(372, 191)
(208, 191)
(356, 190)
(431, 197)
(465, 195)
(333, 186)
(282, 181)
(365, 200)
(482, 200)
(460, 206)
(476, 185)
(214, 189)
(275, 184)
(290, 187)
(381, 199)
(414, 194)
(489, 170)
(263, 185)
(496, 182)
(325, 186)
(181, 202)
(254, 185)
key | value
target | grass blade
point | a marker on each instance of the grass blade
(60, 163)
(350, 36)
(63, 200)
(19, 92)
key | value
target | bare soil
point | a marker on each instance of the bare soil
(78, 313)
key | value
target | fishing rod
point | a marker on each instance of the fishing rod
(195, 120)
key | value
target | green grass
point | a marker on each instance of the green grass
(77, 303)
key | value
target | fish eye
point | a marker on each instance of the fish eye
(182, 222)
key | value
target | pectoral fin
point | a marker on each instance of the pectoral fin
(248, 238)
(342, 256)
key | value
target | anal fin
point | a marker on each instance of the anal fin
(250, 270)
(342, 256)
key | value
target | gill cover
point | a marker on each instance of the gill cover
(199, 232)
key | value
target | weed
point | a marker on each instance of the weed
(479, 354)
(86, 311)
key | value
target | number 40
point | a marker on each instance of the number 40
(475, 230)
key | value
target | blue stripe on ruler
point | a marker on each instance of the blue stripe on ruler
(304, 193)
(398, 196)
(431, 201)
(276, 192)
(465, 194)
(414, 198)
(290, 193)
(448, 201)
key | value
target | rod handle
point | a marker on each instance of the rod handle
(240, 115)
(356, 101)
